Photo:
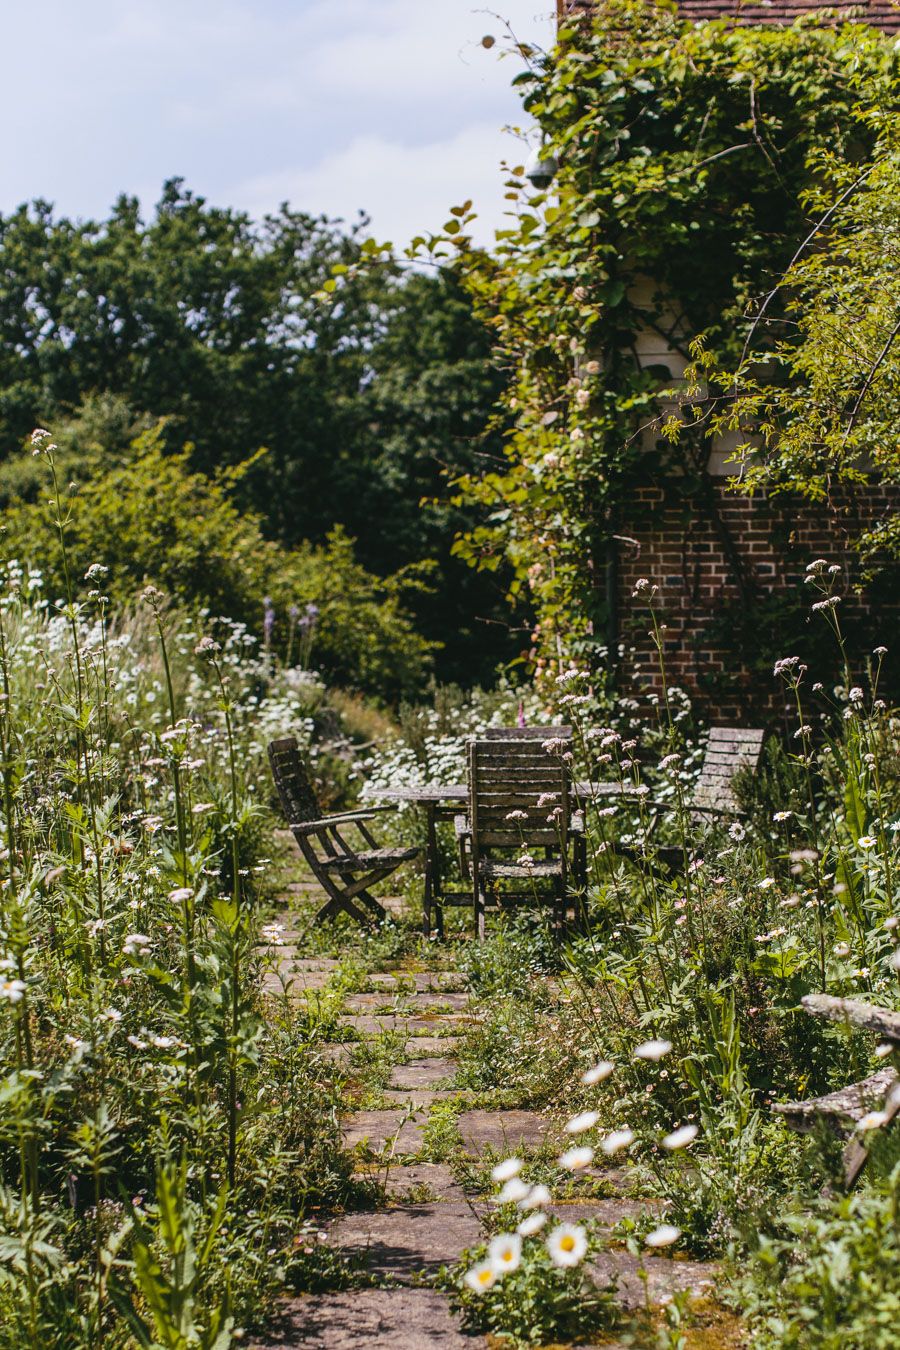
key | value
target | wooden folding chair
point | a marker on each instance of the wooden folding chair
(343, 870)
(520, 805)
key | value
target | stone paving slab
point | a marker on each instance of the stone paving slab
(408, 1003)
(407, 1239)
(422, 1073)
(373, 1025)
(383, 1131)
(370, 1319)
(438, 1177)
(503, 1131)
(418, 1047)
(421, 981)
(664, 1277)
(338, 1053)
(606, 1212)
(422, 1097)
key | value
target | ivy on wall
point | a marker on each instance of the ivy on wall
(685, 152)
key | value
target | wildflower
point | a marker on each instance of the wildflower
(136, 1042)
(785, 665)
(831, 603)
(504, 1171)
(841, 949)
(817, 565)
(574, 1159)
(617, 1140)
(532, 1224)
(779, 816)
(481, 1277)
(681, 1137)
(567, 1245)
(669, 760)
(867, 841)
(598, 1073)
(505, 1252)
(164, 1042)
(179, 896)
(39, 435)
(517, 815)
(12, 990)
(207, 646)
(653, 1050)
(96, 572)
(525, 860)
(537, 1197)
(663, 1236)
(894, 961)
(737, 832)
(202, 808)
(891, 923)
(856, 695)
(513, 1191)
(136, 944)
(547, 798)
(585, 1121)
(112, 1015)
(766, 884)
(880, 651)
(884, 1049)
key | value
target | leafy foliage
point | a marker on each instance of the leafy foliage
(686, 153)
(200, 317)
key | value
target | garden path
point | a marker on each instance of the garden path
(427, 1146)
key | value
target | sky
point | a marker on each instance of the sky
(389, 106)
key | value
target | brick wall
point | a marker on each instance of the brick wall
(732, 594)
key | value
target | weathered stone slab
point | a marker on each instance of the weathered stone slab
(437, 1177)
(420, 1097)
(410, 1004)
(422, 1073)
(606, 1212)
(337, 1054)
(418, 1047)
(383, 1132)
(374, 1319)
(664, 1277)
(374, 1024)
(503, 1131)
(406, 1240)
(419, 981)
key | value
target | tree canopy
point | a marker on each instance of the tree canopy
(216, 323)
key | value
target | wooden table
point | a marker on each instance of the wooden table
(441, 802)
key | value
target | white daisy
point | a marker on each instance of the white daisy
(586, 1121)
(577, 1158)
(536, 1197)
(653, 1050)
(515, 1190)
(510, 1167)
(532, 1224)
(681, 1137)
(873, 1120)
(663, 1236)
(598, 1073)
(505, 1252)
(481, 1277)
(567, 1244)
(618, 1139)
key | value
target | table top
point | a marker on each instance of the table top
(437, 794)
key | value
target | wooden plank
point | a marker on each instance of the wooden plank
(509, 839)
(528, 733)
(880, 1020)
(754, 734)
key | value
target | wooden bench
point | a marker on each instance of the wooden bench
(841, 1112)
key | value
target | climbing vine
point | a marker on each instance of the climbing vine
(685, 155)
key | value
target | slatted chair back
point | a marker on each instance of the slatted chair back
(515, 785)
(728, 750)
(546, 733)
(292, 782)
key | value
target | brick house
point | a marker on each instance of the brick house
(709, 565)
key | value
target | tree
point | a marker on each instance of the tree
(216, 324)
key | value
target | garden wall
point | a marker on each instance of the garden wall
(730, 572)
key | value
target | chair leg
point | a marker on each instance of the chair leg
(478, 904)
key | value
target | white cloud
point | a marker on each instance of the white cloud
(406, 189)
(389, 105)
